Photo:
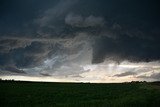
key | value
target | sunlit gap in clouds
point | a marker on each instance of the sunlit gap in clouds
(105, 72)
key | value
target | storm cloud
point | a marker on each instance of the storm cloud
(60, 37)
(12, 69)
(79, 21)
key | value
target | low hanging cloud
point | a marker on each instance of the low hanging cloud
(80, 21)
(155, 76)
(12, 69)
(133, 49)
(44, 74)
(125, 74)
(8, 44)
(59, 56)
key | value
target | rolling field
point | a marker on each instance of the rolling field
(15, 94)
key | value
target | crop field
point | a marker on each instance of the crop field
(41, 94)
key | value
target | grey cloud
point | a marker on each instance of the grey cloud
(44, 74)
(94, 21)
(31, 55)
(125, 74)
(23, 53)
(12, 69)
(9, 44)
(80, 21)
(70, 58)
(116, 32)
(133, 49)
(51, 15)
(155, 76)
(54, 55)
(50, 22)
(74, 20)
(152, 76)
(76, 76)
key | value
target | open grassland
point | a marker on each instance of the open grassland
(39, 94)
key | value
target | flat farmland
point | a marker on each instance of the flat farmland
(43, 94)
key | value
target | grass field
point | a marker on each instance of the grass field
(15, 94)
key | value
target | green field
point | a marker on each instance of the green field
(15, 94)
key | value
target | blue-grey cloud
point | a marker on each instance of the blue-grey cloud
(61, 32)
(80, 21)
(12, 69)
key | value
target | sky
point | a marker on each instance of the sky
(80, 40)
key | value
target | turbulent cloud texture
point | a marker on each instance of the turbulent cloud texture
(79, 21)
(72, 38)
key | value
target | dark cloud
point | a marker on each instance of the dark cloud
(23, 53)
(58, 11)
(32, 32)
(12, 69)
(79, 21)
(125, 47)
(9, 44)
(44, 74)
(125, 74)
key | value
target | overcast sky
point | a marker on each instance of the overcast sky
(80, 40)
